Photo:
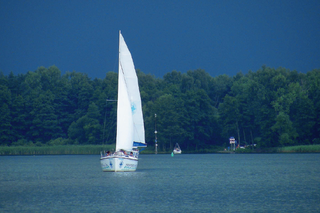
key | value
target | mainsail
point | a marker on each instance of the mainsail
(130, 125)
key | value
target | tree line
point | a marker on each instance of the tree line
(270, 107)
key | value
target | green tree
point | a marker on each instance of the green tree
(5, 116)
(45, 122)
(302, 114)
(169, 118)
(283, 127)
(18, 121)
(248, 92)
(229, 112)
(87, 129)
(312, 85)
(219, 87)
(200, 120)
(5, 125)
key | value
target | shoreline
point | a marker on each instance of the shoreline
(96, 149)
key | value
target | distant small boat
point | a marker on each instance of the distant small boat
(177, 149)
(130, 125)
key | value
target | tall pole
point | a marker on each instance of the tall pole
(155, 134)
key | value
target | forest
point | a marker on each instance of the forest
(269, 107)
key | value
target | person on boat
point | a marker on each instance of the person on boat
(131, 154)
(108, 153)
(123, 151)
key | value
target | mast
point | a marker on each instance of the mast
(155, 134)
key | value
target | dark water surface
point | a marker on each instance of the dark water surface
(183, 183)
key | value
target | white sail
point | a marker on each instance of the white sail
(124, 115)
(131, 80)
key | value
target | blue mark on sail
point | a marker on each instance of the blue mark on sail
(133, 108)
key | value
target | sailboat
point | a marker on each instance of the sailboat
(176, 149)
(130, 125)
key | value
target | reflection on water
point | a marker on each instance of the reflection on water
(183, 183)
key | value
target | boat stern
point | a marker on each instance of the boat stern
(119, 164)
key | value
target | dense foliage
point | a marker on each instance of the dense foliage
(269, 107)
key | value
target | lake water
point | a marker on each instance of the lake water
(183, 183)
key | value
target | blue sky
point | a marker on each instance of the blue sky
(221, 37)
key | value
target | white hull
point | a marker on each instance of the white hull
(118, 164)
(176, 151)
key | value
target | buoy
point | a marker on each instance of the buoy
(172, 154)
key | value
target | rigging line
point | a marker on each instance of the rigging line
(125, 81)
